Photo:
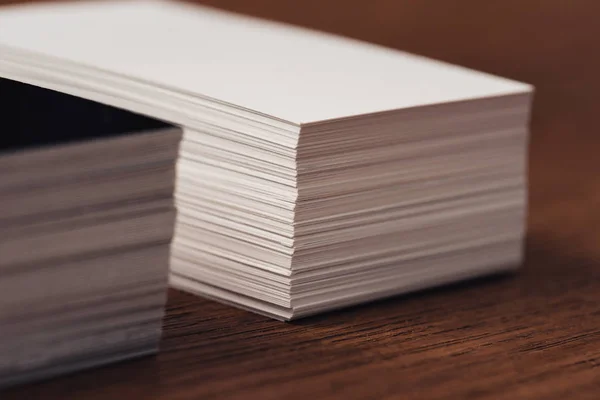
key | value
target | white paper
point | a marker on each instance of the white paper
(286, 72)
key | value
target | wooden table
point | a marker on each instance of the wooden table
(535, 335)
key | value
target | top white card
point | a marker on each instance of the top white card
(290, 73)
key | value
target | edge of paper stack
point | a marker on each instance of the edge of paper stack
(87, 214)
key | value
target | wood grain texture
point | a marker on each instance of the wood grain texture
(533, 335)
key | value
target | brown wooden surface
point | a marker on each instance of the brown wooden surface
(535, 335)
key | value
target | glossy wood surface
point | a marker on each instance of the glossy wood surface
(534, 335)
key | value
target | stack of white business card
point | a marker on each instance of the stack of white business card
(315, 171)
(357, 210)
(87, 215)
